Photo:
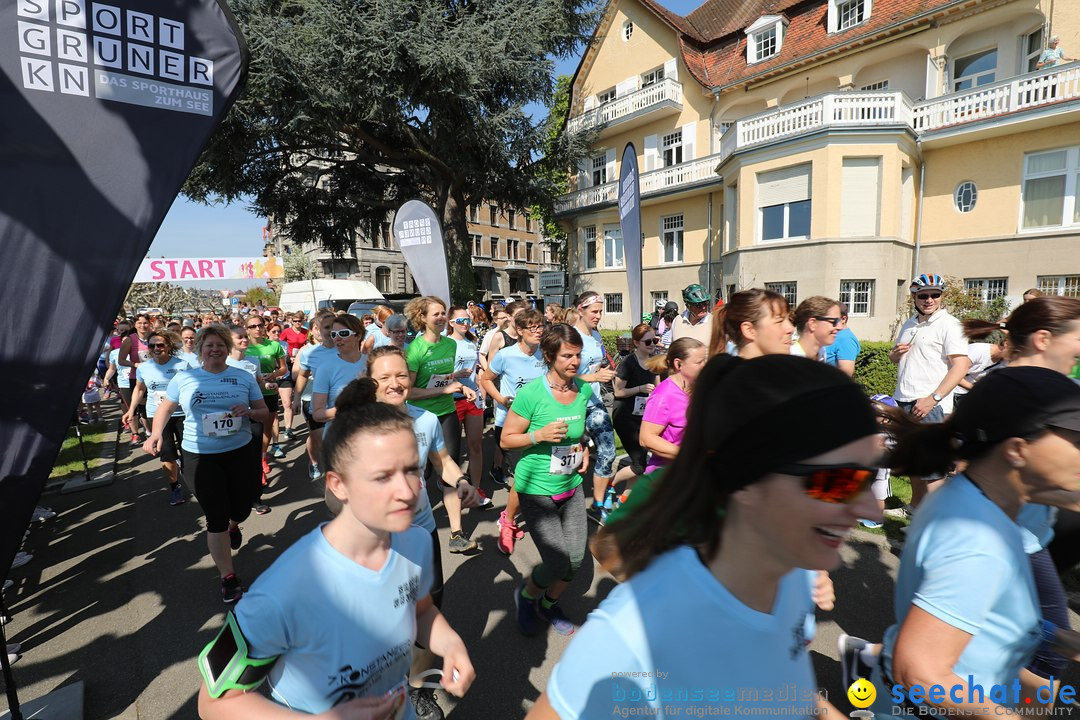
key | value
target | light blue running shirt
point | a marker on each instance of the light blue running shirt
(311, 358)
(429, 439)
(592, 359)
(207, 399)
(246, 364)
(189, 357)
(467, 358)
(515, 370)
(340, 630)
(123, 379)
(156, 377)
(335, 373)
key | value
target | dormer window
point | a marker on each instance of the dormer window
(765, 38)
(844, 14)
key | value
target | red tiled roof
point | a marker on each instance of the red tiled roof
(713, 41)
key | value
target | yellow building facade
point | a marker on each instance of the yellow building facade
(831, 148)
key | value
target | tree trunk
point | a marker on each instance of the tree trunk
(458, 246)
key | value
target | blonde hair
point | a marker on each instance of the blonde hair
(418, 308)
(171, 339)
(216, 330)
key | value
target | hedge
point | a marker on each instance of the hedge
(873, 370)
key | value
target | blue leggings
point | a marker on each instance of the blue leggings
(598, 425)
(1055, 608)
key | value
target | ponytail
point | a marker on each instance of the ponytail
(679, 350)
(981, 329)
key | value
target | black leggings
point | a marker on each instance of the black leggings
(436, 568)
(1055, 608)
(222, 485)
(451, 430)
(1065, 547)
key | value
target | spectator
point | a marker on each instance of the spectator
(695, 322)
(664, 322)
(1032, 293)
(931, 352)
(1053, 55)
(845, 349)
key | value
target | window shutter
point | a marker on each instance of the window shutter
(931, 78)
(652, 155)
(777, 187)
(689, 132)
(583, 175)
(626, 86)
(611, 176)
(671, 69)
(832, 16)
(590, 102)
(860, 197)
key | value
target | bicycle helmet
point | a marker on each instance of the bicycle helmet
(695, 294)
(660, 303)
(884, 399)
(928, 281)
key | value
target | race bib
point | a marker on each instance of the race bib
(440, 381)
(160, 397)
(565, 459)
(639, 404)
(144, 355)
(220, 424)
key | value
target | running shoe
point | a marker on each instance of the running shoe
(597, 513)
(14, 648)
(260, 508)
(508, 533)
(41, 514)
(265, 467)
(231, 591)
(554, 615)
(21, 559)
(176, 495)
(135, 441)
(528, 621)
(425, 704)
(276, 451)
(852, 665)
(236, 538)
(287, 433)
(499, 478)
(485, 502)
(13, 658)
(460, 542)
(870, 524)
(610, 499)
(905, 511)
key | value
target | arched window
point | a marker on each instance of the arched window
(382, 279)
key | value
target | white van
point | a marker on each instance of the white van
(313, 295)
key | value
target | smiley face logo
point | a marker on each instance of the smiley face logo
(862, 694)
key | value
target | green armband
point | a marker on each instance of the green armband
(225, 665)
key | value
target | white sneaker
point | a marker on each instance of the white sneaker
(14, 648)
(13, 658)
(904, 511)
(42, 514)
(21, 559)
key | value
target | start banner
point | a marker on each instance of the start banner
(227, 268)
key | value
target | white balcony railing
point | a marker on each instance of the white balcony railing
(667, 91)
(851, 109)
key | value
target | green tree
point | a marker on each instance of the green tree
(300, 267)
(256, 293)
(354, 106)
(550, 230)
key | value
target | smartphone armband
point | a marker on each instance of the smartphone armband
(225, 665)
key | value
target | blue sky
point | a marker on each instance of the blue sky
(194, 230)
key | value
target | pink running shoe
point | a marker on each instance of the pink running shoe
(508, 534)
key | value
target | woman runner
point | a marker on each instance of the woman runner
(753, 323)
(347, 333)
(218, 403)
(633, 385)
(546, 422)
(151, 381)
(341, 608)
(431, 358)
(663, 423)
(238, 358)
(134, 351)
(307, 361)
(703, 575)
(284, 386)
(187, 349)
(470, 414)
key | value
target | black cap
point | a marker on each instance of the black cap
(671, 307)
(1017, 402)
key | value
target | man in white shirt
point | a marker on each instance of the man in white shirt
(931, 351)
(695, 322)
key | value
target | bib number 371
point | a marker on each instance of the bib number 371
(566, 459)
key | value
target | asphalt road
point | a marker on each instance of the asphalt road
(122, 595)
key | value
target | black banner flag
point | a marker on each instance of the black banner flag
(104, 109)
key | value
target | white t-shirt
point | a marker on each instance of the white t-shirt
(339, 630)
(981, 362)
(925, 365)
(702, 331)
(692, 644)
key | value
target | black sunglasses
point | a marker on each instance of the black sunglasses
(648, 342)
(834, 321)
(928, 296)
(157, 346)
(255, 325)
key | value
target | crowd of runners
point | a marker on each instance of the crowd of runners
(750, 454)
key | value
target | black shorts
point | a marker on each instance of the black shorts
(286, 383)
(312, 423)
(272, 403)
(223, 485)
(171, 438)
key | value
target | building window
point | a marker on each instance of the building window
(386, 242)
(627, 30)
(1067, 285)
(477, 245)
(987, 288)
(671, 239)
(528, 224)
(1050, 189)
(784, 203)
(965, 196)
(672, 145)
(613, 246)
(659, 296)
(844, 14)
(590, 247)
(788, 289)
(652, 77)
(511, 219)
(599, 170)
(512, 249)
(528, 252)
(879, 85)
(493, 216)
(382, 279)
(974, 70)
(1033, 46)
(494, 245)
(764, 45)
(613, 302)
(474, 213)
(605, 97)
(859, 297)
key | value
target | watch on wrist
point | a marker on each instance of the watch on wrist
(936, 397)
(460, 480)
